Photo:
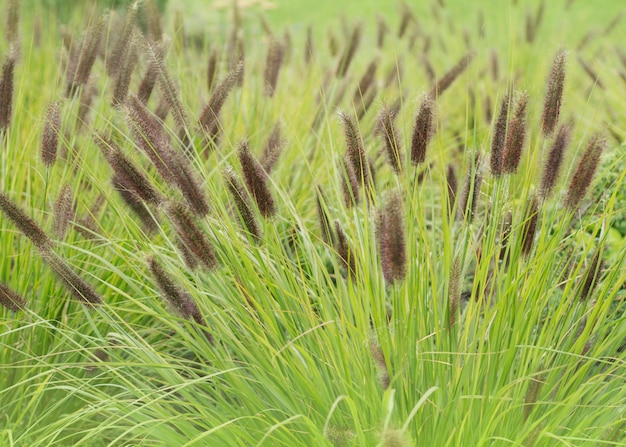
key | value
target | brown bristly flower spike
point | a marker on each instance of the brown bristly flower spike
(273, 149)
(148, 133)
(256, 181)
(386, 127)
(63, 211)
(87, 57)
(344, 251)
(273, 63)
(591, 277)
(153, 20)
(50, 136)
(11, 299)
(180, 300)
(349, 51)
(379, 358)
(584, 172)
(366, 81)
(11, 31)
(471, 190)
(146, 86)
(554, 94)
(382, 30)
(129, 175)
(6, 90)
(209, 118)
(515, 136)
(452, 186)
(119, 54)
(391, 244)
(554, 161)
(593, 75)
(169, 90)
(76, 285)
(499, 137)
(135, 203)
(24, 223)
(124, 73)
(309, 46)
(422, 130)
(240, 197)
(407, 17)
(529, 226)
(211, 69)
(451, 75)
(355, 150)
(192, 236)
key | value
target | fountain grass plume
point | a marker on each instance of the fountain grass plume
(50, 135)
(256, 180)
(581, 180)
(422, 130)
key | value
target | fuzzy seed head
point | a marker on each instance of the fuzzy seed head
(391, 244)
(554, 94)
(422, 130)
(584, 172)
(391, 138)
(25, 224)
(192, 236)
(499, 137)
(529, 226)
(63, 211)
(11, 299)
(516, 134)
(256, 181)
(554, 161)
(50, 137)
(240, 197)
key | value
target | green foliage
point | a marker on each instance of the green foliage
(364, 307)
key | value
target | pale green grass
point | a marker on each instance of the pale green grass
(293, 362)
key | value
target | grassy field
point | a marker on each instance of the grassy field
(313, 224)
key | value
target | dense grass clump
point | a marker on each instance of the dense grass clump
(400, 230)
